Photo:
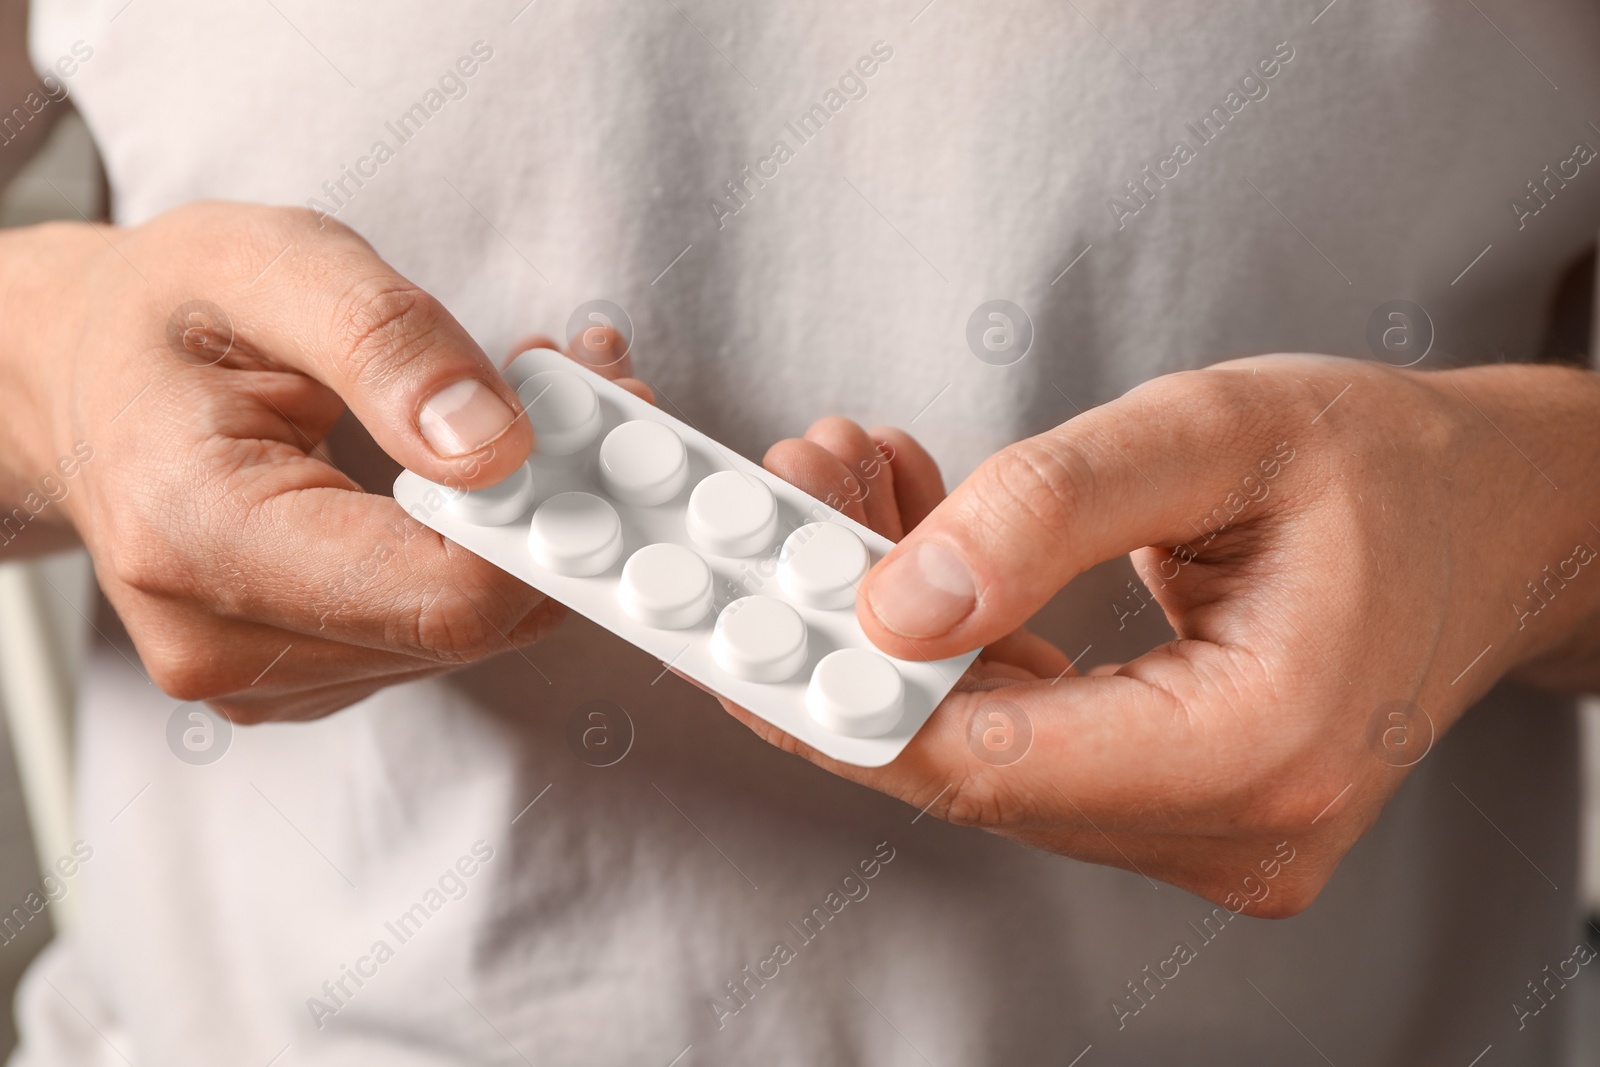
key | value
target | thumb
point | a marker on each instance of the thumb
(406, 368)
(1169, 464)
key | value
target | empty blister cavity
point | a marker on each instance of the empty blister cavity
(576, 534)
(496, 505)
(821, 564)
(759, 639)
(856, 693)
(732, 514)
(564, 411)
(643, 462)
(666, 586)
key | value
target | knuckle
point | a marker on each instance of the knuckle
(186, 675)
(1202, 389)
(1292, 810)
(540, 621)
(144, 561)
(300, 220)
(243, 712)
(1220, 405)
(1219, 389)
(213, 417)
(1291, 896)
(1280, 817)
(290, 707)
(256, 232)
(1257, 877)
(384, 324)
(784, 742)
(974, 800)
(1042, 481)
(451, 629)
(275, 224)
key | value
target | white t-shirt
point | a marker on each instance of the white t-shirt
(932, 160)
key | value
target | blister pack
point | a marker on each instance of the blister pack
(721, 570)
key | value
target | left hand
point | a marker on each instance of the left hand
(1327, 537)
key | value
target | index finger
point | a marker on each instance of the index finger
(1127, 748)
(295, 544)
(1129, 474)
(331, 309)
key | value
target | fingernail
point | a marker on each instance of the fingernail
(924, 592)
(463, 417)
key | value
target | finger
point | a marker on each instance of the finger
(1137, 750)
(1114, 763)
(603, 350)
(528, 344)
(813, 469)
(282, 406)
(406, 368)
(638, 389)
(193, 655)
(1055, 796)
(1161, 466)
(536, 624)
(868, 479)
(632, 385)
(1031, 653)
(918, 485)
(1001, 670)
(322, 558)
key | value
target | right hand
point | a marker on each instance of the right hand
(249, 572)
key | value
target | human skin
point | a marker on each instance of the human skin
(1388, 560)
(1387, 556)
(1392, 541)
(249, 571)
(1394, 548)
(1325, 537)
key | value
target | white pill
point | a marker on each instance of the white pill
(643, 462)
(666, 586)
(563, 409)
(821, 564)
(732, 514)
(856, 693)
(576, 534)
(759, 639)
(496, 505)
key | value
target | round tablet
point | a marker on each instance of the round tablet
(577, 534)
(821, 564)
(732, 514)
(856, 693)
(643, 462)
(496, 505)
(563, 409)
(666, 585)
(759, 639)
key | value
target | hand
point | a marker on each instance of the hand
(1326, 537)
(889, 483)
(184, 449)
